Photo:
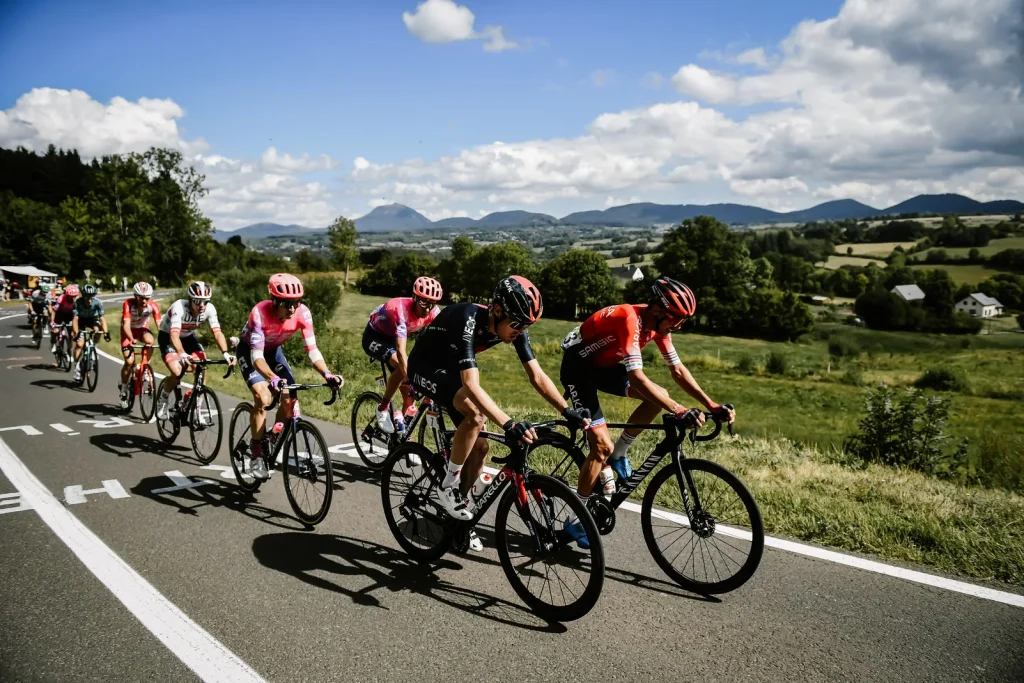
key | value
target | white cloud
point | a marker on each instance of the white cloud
(653, 80)
(611, 201)
(601, 77)
(272, 161)
(443, 21)
(441, 214)
(887, 99)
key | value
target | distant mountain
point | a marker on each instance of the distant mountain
(1007, 206)
(458, 222)
(937, 203)
(260, 230)
(646, 213)
(506, 219)
(833, 211)
(393, 218)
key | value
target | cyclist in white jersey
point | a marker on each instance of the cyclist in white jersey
(176, 337)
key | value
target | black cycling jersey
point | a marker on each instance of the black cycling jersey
(459, 332)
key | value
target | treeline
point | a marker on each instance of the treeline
(735, 293)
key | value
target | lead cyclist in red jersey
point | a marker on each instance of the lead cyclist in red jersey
(135, 316)
(603, 354)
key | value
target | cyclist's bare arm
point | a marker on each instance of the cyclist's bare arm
(263, 368)
(401, 356)
(222, 343)
(471, 383)
(687, 383)
(641, 386)
(543, 384)
(126, 328)
(74, 325)
(103, 325)
(176, 343)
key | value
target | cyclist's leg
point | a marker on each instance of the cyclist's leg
(129, 358)
(467, 439)
(582, 380)
(171, 359)
(382, 347)
(147, 338)
(279, 364)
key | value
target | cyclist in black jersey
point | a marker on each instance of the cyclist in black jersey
(443, 366)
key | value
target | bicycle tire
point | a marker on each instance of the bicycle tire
(208, 397)
(360, 428)
(147, 394)
(748, 567)
(238, 439)
(438, 543)
(68, 355)
(92, 369)
(167, 429)
(305, 427)
(551, 488)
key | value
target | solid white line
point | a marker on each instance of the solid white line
(120, 361)
(198, 650)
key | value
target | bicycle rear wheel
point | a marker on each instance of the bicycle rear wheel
(68, 354)
(371, 442)
(206, 426)
(416, 519)
(92, 368)
(720, 541)
(147, 394)
(556, 579)
(239, 434)
(168, 427)
(308, 474)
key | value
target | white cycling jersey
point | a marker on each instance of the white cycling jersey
(179, 316)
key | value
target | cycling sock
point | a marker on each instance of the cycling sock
(621, 446)
(384, 406)
(256, 448)
(409, 406)
(451, 477)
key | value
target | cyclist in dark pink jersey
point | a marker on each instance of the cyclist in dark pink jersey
(385, 336)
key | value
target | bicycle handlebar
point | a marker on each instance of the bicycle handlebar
(204, 362)
(302, 387)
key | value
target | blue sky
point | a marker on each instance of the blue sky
(350, 80)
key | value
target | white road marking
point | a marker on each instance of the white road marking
(207, 657)
(14, 499)
(74, 495)
(181, 482)
(28, 429)
(809, 551)
(112, 423)
(62, 428)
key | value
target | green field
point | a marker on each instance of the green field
(791, 430)
(994, 247)
(879, 249)
(624, 260)
(970, 274)
(836, 261)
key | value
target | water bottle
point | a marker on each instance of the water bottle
(481, 484)
(272, 437)
(607, 482)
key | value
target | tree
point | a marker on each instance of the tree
(341, 236)
(451, 271)
(576, 284)
(494, 262)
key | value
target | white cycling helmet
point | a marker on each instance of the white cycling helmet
(199, 291)
(143, 289)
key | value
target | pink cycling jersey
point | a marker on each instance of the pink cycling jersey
(265, 331)
(65, 306)
(396, 318)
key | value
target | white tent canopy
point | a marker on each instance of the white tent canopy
(26, 271)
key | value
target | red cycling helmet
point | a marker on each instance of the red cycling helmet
(427, 288)
(674, 297)
(285, 286)
(520, 299)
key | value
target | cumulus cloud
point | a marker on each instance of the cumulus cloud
(887, 99)
(444, 21)
(273, 161)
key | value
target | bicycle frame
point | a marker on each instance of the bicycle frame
(426, 405)
(290, 426)
(140, 367)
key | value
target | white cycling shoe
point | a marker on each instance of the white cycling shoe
(475, 544)
(455, 504)
(384, 422)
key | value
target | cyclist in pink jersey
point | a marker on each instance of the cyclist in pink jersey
(261, 359)
(62, 313)
(385, 337)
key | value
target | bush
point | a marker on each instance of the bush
(747, 365)
(776, 363)
(907, 431)
(843, 347)
(942, 379)
(852, 377)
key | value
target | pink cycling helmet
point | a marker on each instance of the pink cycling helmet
(285, 286)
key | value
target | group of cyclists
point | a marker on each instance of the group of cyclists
(602, 355)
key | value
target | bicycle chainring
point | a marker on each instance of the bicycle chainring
(602, 512)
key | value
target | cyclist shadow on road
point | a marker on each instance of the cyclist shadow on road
(301, 555)
(347, 472)
(217, 493)
(126, 445)
(65, 383)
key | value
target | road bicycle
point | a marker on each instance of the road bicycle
(62, 352)
(372, 443)
(720, 524)
(199, 409)
(305, 460)
(556, 578)
(89, 365)
(36, 321)
(143, 384)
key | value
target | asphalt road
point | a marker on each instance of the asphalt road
(342, 602)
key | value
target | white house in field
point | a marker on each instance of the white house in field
(980, 306)
(908, 292)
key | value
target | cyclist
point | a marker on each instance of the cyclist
(176, 336)
(603, 354)
(443, 366)
(39, 303)
(88, 314)
(62, 313)
(385, 338)
(135, 316)
(261, 357)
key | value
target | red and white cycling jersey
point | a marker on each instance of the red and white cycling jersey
(140, 315)
(179, 316)
(614, 334)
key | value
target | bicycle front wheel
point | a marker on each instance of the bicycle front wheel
(416, 519)
(371, 442)
(556, 578)
(239, 435)
(92, 369)
(308, 475)
(206, 425)
(166, 404)
(713, 542)
(147, 394)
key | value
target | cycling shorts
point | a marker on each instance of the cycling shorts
(189, 344)
(138, 334)
(378, 346)
(63, 318)
(88, 324)
(583, 379)
(274, 358)
(439, 384)
(38, 308)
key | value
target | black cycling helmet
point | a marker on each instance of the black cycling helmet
(88, 291)
(519, 299)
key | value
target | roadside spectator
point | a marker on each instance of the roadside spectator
(124, 283)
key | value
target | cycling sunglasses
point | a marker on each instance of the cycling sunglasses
(288, 303)
(518, 327)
